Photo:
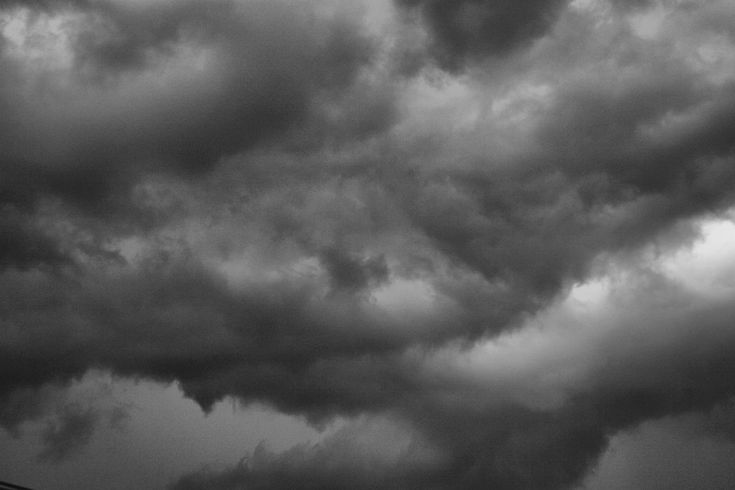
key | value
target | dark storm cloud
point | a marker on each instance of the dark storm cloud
(178, 322)
(24, 245)
(268, 68)
(351, 273)
(617, 156)
(466, 30)
(87, 135)
(531, 226)
(262, 141)
(555, 450)
(487, 443)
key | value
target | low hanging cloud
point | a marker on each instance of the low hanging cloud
(473, 29)
(674, 452)
(364, 454)
(246, 198)
(534, 409)
(73, 428)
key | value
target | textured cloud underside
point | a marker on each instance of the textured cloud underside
(377, 211)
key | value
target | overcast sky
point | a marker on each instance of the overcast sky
(367, 244)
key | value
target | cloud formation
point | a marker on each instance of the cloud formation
(535, 409)
(471, 29)
(247, 198)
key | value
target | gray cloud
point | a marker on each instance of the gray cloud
(364, 454)
(677, 452)
(71, 430)
(481, 440)
(89, 139)
(474, 29)
(240, 197)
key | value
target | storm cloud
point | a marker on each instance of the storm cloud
(250, 200)
(462, 31)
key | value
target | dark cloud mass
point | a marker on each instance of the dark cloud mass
(465, 30)
(171, 85)
(246, 198)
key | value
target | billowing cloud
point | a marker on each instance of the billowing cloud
(248, 199)
(364, 454)
(97, 94)
(466, 30)
(535, 408)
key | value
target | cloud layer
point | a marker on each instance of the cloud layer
(258, 200)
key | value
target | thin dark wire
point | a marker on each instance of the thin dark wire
(10, 486)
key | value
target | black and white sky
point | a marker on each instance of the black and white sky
(367, 244)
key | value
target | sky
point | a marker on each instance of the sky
(367, 244)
